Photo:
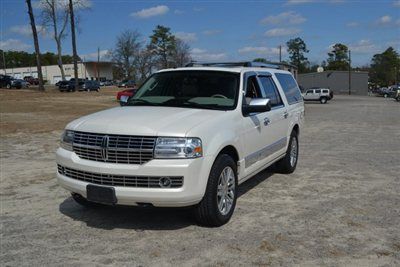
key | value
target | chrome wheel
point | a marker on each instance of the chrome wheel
(226, 190)
(293, 152)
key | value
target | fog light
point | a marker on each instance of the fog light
(165, 182)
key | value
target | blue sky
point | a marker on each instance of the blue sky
(224, 30)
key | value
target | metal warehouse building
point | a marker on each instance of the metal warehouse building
(337, 81)
(86, 70)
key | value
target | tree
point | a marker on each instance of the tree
(74, 53)
(296, 49)
(144, 65)
(36, 42)
(385, 68)
(338, 58)
(55, 15)
(162, 45)
(127, 50)
(259, 59)
(181, 55)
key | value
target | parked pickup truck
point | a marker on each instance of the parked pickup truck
(188, 137)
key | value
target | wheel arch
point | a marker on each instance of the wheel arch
(231, 151)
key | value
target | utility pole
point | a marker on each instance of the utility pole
(98, 63)
(280, 53)
(349, 72)
(74, 53)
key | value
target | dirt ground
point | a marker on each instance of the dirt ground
(340, 208)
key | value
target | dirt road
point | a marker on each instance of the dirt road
(340, 207)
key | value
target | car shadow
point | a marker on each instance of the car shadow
(143, 218)
(128, 217)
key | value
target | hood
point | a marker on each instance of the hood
(143, 120)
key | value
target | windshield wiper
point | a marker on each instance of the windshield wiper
(138, 102)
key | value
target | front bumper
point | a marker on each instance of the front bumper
(195, 174)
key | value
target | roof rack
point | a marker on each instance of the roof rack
(232, 64)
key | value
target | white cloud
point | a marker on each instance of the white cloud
(384, 20)
(204, 55)
(396, 3)
(353, 24)
(211, 32)
(104, 54)
(178, 12)
(363, 46)
(150, 12)
(261, 50)
(26, 30)
(289, 17)
(186, 36)
(277, 32)
(298, 2)
(14, 45)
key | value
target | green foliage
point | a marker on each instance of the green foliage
(297, 49)
(16, 59)
(385, 68)
(162, 45)
(338, 58)
(259, 59)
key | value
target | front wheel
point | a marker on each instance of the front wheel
(8, 86)
(219, 201)
(289, 162)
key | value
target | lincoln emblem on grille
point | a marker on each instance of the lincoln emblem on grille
(104, 147)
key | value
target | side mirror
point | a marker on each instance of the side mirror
(257, 105)
(123, 100)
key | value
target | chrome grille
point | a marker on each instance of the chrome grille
(123, 149)
(118, 180)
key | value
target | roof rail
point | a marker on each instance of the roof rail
(233, 64)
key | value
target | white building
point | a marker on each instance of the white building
(86, 70)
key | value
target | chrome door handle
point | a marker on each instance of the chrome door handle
(266, 121)
(285, 115)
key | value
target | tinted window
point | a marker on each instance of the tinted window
(325, 91)
(289, 87)
(318, 91)
(310, 91)
(271, 91)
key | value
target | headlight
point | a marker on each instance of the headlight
(178, 147)
(67, 138)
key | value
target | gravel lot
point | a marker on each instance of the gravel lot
(340, 207)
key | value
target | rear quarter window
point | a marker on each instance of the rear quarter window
(290, 87)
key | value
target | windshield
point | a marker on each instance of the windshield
(189, 89)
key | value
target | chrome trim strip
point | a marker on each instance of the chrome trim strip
(264, 152)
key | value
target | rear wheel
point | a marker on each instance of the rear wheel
(323, 100)
(219, 201)
(8, 86)
(289, 162)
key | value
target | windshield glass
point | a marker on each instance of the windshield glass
(189, 89)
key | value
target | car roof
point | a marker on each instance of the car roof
(227, 69)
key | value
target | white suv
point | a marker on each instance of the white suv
(318, 94)
(187, 138)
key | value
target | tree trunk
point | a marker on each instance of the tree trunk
(36, 42)
(59, 59)
(75, 55)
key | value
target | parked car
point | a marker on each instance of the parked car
(108, 83)
(5, 81)
(89, 85)
(127, 84)
(188, 137)
(31, 80)
(318, 94)
(63, 86)
(19, 83)
(125, 94)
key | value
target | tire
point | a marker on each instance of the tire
(385, 95)
(323, 100)
(288, 164)
(83, 201)
(8, 86)
(98, 90)
(214, 210)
